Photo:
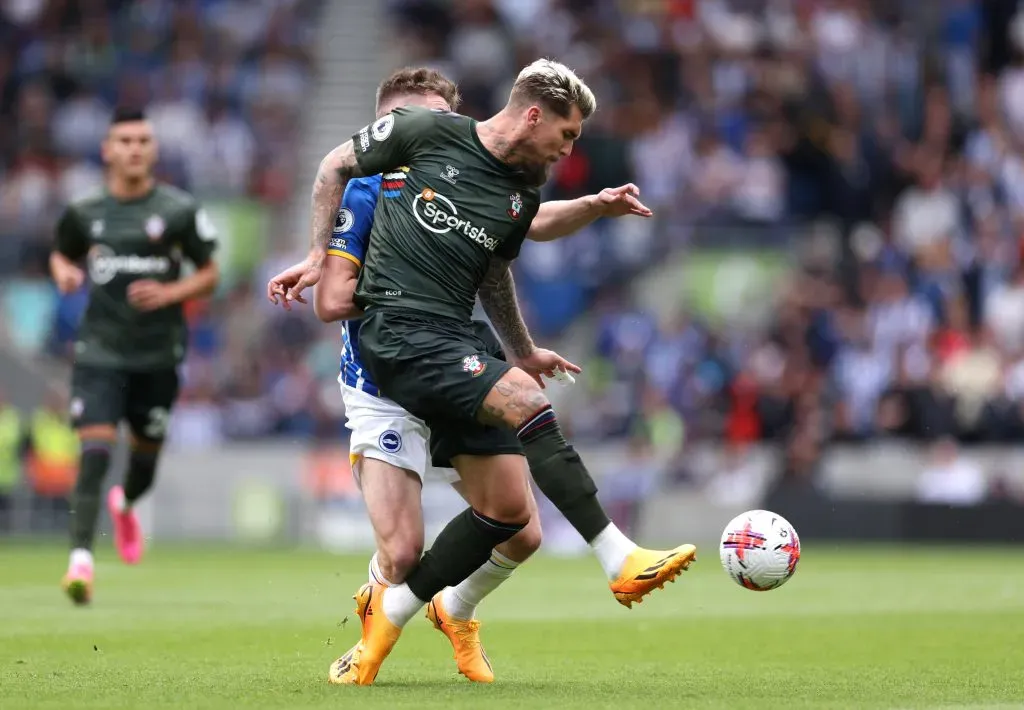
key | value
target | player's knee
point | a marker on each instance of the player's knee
(511, 510)
(98, 432)
(146, 447)
(526, 541)
(531, 399)
(513, 401)
(398, 555)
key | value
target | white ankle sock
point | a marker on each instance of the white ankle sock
(80, 556)
(461, 601)
(376, 576)
(612, 548)
(400, 604)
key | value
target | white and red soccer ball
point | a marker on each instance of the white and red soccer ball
(760, 550)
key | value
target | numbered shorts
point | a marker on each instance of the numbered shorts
(382, 430)
(101, 395)
(440, 370)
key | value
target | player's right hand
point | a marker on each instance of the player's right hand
(69, 278)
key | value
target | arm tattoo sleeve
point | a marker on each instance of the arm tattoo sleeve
(498, 296)
(336, 169)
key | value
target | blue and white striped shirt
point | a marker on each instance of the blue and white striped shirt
(349, 241)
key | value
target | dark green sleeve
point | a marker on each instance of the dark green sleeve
(72, 241)
(199, 237)
(394, 140)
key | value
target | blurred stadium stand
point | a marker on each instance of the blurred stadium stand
(832, 277)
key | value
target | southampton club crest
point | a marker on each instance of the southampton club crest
(517, 205)
(155, 227)
(472, 365)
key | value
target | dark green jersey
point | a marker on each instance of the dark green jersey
(124, 241)
(446, 205)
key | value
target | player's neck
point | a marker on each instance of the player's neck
(497, 134)
(127, 189)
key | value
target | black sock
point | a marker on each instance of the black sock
(464, 544)
(141, 470)
(561, 475)
(85, 500)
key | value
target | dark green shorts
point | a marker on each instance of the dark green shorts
(439, 370)
(101, 395)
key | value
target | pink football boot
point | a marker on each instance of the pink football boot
(127, 532)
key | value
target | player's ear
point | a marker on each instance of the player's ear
(105, 147)
(533, 116)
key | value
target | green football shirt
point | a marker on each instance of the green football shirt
(123, 241)
(446, 206)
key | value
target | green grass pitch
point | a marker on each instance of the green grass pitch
(860, 627)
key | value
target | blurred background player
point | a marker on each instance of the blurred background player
(131, 238)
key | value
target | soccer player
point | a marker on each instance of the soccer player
(130, 238)
(434, 245)
(389, 446)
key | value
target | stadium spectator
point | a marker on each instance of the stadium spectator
(861, 164)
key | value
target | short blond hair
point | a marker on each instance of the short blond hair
(555, 86)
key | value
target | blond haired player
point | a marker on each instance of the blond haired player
(434, 362)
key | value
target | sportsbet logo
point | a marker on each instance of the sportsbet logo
(437, 213)
(104, 264)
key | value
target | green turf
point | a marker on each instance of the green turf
(202, 628)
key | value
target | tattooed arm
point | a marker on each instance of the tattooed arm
(336, 169)
(498, 296)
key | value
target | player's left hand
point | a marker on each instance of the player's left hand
(622, 201)
(149, 295)
(543, 362)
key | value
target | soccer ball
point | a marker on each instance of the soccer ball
(759, 550)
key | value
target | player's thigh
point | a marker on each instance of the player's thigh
(495, 485)
(450, 438)
(151, 396)
(433, 368)
(382, 430)
(513, 400)
(98, 398)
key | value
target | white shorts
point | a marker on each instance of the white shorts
(382, 430)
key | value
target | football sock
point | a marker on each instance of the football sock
(141, 471)
(80, 556)
(612, 547)
(400, 604)
(462, 547)
(561, 475)
(85, 499)
(462, 600)
(376, 576)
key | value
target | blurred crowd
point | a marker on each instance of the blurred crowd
(879, 146)
(224, 82)
(895, 129)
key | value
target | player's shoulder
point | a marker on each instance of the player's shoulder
(529, 196)
(87, 201)
(369, 184)
(423, 117)
(175, 198)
